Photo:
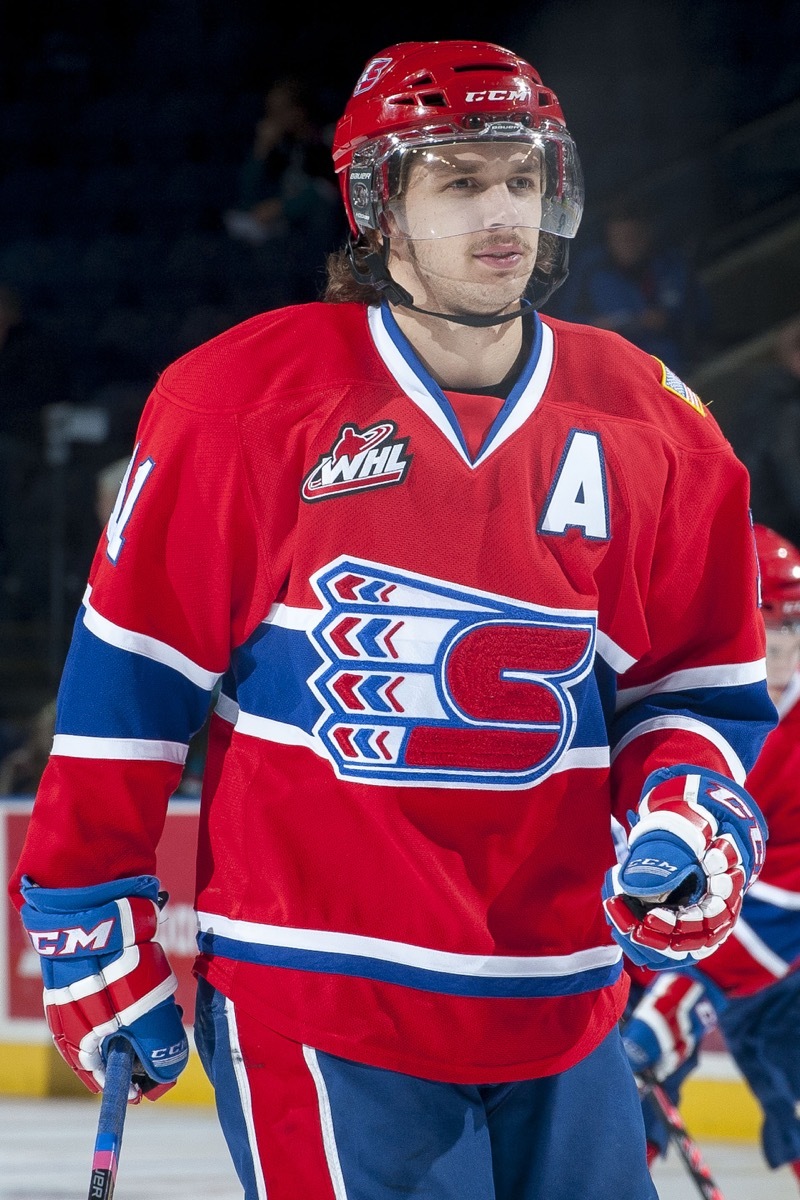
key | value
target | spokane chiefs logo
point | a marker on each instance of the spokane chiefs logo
(360, 459)
(427, 683)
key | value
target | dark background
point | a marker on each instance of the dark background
(123, 126)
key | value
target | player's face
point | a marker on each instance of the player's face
(783, 658)
(467, 226)
(467, 187)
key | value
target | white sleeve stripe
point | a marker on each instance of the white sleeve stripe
(147, 647)
(227, 709)
(770, 894)
(724, 675)
(759, 950)
(74, 746)
(690, 725)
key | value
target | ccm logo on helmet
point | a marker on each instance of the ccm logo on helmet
(494, 94)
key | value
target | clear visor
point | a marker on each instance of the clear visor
(441, 185)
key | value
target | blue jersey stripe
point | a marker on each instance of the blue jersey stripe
(272, 670)
(332, 963)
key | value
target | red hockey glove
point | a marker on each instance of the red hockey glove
(667, 1024)
(696, 845)
(105, 974)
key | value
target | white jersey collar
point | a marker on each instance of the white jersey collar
(402, 363)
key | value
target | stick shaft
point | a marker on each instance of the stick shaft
(684, 1143)
(111, 1121)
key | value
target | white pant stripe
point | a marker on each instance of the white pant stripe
(326, 1121)
(244, 1095)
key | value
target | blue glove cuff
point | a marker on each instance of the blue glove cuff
(79, 899)
(71, 924)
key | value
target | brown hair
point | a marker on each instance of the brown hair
(342, 287)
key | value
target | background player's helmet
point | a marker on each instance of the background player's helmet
(416, 96)
(779, 565)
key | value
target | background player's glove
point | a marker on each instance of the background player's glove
(667, 1024)
(696, 845)
(105, 974)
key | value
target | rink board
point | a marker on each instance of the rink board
(716, 1103)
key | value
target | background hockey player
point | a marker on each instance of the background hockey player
(472, 580)
(751, 987)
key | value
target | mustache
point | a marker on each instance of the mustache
(504, 238)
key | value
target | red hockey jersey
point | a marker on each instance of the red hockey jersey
(765, 942)
(437, 667)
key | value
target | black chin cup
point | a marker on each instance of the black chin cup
(372, 269)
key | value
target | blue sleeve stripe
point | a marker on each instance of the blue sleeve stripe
(690, 725)
(148, 647)
(110, 693)
(735, 719)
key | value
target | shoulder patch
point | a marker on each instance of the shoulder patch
(671, 382)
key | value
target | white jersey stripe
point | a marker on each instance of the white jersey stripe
(478, 965)
(591, 758)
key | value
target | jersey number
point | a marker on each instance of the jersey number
(125, 504)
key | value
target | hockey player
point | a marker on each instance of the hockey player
(472, 580)
(751, 987)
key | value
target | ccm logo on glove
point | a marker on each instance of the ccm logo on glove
(70, 941)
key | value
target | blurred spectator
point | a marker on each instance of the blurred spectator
(287, 186)
(766, 435)
(35, 371)
(645, 292)
(21, 769)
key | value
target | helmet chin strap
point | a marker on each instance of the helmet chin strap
(375, 270)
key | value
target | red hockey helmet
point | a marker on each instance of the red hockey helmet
(779, 565)
(416, 96)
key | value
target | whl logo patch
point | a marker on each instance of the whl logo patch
(359, 459)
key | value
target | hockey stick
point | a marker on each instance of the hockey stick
(111, 1122)
(679, 1135)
